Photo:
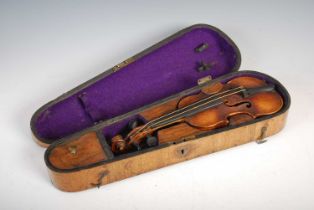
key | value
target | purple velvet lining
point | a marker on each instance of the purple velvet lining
(61, 118)
(159, 74)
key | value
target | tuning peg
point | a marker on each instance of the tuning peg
(137, 146)
(151, 141)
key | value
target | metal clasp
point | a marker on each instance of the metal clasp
(204, 80)
(122, 64)
(261, 139)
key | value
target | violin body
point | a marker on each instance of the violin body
(264, 103)
(226, 105)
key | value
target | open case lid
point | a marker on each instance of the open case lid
(171, 66)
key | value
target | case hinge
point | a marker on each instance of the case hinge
(122, 64)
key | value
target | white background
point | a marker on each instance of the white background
(47, 48)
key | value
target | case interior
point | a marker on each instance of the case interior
(65, 162)
(165, 69)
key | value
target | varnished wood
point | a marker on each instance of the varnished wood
(241, 95)
(184, 131)
(174, 153)
(159, 110)
(238, 119)
(177, 132)
(84, 151)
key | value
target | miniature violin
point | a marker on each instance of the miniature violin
(245, 97)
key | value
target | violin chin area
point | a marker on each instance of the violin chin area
(239, 118)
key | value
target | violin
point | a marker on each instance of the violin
(239, 100)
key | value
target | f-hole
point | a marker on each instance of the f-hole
(248, 104)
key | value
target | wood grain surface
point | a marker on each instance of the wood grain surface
(134, 165)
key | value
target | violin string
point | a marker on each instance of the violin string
(193, 106)
(147, 125)
(185, 109)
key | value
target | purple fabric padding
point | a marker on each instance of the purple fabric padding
(159, 74)
(62, 118)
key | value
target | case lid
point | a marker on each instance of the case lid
(171, 66)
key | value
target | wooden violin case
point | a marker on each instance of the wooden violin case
(78, 126)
